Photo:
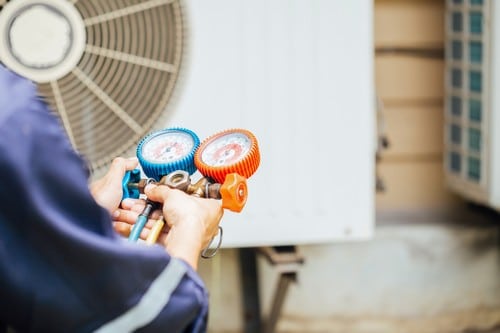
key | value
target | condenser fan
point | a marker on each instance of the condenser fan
(107, 67)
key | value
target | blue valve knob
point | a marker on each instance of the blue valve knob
(129, 189)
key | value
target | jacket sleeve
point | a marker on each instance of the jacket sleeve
(62, 266)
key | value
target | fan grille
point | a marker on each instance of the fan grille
(124, 80)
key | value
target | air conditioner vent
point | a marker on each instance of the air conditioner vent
(118, 75)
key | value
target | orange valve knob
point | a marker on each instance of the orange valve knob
(229, 151)
(234, 192)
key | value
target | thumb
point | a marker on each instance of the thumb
(119, 166)
(131, 163)
(157, 193)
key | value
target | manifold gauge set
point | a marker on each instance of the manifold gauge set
(171, 156)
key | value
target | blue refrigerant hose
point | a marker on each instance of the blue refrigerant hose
(141, 221)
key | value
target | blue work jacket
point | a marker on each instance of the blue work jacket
(62, 266)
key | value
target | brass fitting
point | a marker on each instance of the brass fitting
(181, 180)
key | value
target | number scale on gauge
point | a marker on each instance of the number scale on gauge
(168, 147)
(166, 151)
(226, 150)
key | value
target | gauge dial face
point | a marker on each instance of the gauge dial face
(226, 150)
(168, 147)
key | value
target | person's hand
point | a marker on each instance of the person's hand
(107, 191)
(192, 221)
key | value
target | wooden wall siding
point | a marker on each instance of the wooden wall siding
(406, 78)
(415, 131)
(409, 23)
(409, 77)
(413, 185)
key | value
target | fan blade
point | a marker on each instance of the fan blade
(126, 11)
(122, 114)
(130, 58)
(62, 111)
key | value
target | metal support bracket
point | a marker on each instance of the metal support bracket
(287, 262)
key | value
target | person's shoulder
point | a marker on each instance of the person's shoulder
(15, 91)
(12, 84)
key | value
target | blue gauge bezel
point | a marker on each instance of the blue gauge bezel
(158, 170)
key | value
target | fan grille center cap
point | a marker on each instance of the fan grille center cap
(43, 39)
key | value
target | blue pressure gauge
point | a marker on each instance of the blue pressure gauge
(166, 151)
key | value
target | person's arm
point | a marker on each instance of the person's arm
(63, 268)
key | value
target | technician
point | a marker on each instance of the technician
(63, 268)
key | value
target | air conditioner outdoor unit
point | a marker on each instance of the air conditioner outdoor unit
(298, 74)
(472, 143)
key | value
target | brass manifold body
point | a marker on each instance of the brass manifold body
(233, 192)
(181, 180)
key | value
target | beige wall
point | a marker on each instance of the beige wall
(409, 23)
(409, 69)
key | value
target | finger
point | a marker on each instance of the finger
(130, 218)
(122, 228)
(138, 208)
(127, 216)
(152, 192)
(128, 203)
(137, 205)
(131, 163)
(118, 168)
(155, 215)
(124, 164)
(157, 193)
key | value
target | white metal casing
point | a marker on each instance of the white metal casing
(299, 75)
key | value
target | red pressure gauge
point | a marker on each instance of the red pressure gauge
(226, 152)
